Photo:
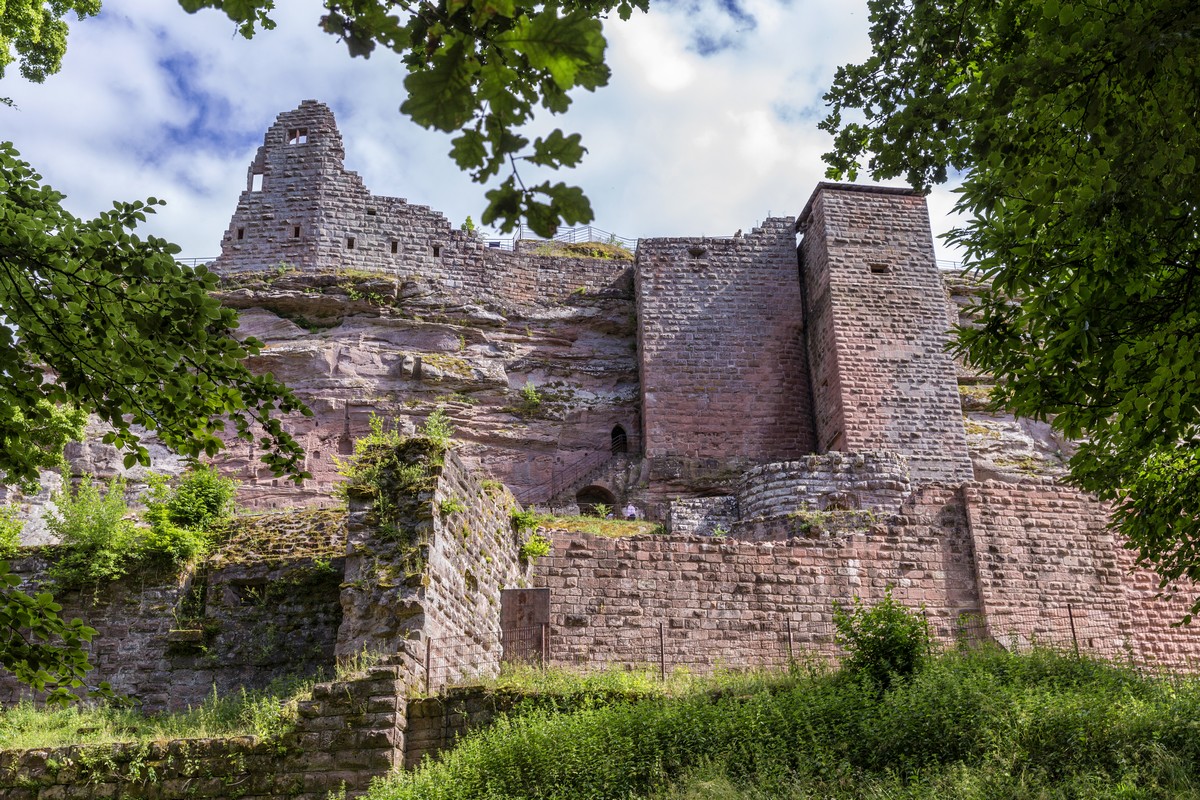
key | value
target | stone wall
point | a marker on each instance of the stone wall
(430, 589)
(700, 602)
(702, 516)
(302, 208)
(350, 732)
(839, 481)
(721, 340)
(263, 607)
(881, 377)
(1048, 548)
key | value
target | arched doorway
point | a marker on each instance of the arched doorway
(592, 500)
(619, 441)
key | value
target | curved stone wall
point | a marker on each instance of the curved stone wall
(875, 480)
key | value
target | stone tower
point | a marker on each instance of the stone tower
(876, 315)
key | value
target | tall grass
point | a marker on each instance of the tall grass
(985, 724)
(266, 714)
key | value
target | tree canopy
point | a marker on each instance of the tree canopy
(1075, 127)
(96, 319)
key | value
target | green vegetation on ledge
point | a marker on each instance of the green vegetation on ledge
(979, 724)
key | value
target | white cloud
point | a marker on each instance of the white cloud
(153, 101)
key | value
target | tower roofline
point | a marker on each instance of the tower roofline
(868, 188)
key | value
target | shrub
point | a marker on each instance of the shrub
(438, 428)
(883, 641)
(10, 531)
(525, 520)
(181, 519)
(98, 540)
(451, 505)
(535, 547)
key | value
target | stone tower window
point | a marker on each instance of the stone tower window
(297, 136)
(256, 182)
(371, 212)
(395, 247)
(241, 233)
(437, 250)
(349, 242)
(880, 268)
(295, 231)
(619, 441)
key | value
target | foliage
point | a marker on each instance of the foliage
(1074, 124)
(535, 547)
(10, 531)
(437, 428)
(42, 433)
(182, 519)
(531, 400)
(527, 520)
(984, 724)
(128, 334)
(40, 648)
(33, 32)
(393, 471)
(599, 526)
(98, 540)
(451, 505)
(265, 713)
(882, 642)
(481, 68)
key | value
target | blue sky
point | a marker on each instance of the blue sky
(708, 124)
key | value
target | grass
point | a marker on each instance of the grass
(612, 528)
(983, 724)
(265, 714)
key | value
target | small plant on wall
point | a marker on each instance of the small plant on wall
(535, 547)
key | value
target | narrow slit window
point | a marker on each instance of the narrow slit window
(395, 247)
(437, 251)
(241, 233)
(298, 136)
(879, 268)
(295, 231)
(349, 242)
(256, 182)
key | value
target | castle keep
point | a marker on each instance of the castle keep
(781, 399)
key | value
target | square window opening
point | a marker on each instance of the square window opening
(349, 242)
(256, 182)
(298, 136)
(878, 268)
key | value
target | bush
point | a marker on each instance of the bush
(883, 641)
(438, 428)
(10, 531)
(535, 547)
(98, 540)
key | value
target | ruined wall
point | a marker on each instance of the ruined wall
(732, 602)
(839, 481)
(720, 332)
(350, 732)
(877, 330)
(429, 580)
(302, 208)
(263, 607)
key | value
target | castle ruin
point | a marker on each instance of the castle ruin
(782, 400)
